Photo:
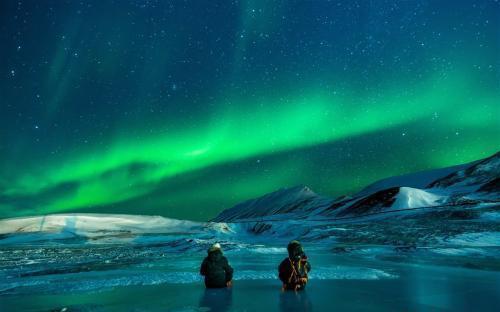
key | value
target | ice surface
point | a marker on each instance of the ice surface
(481, 239)
(157, 278)
(152, 263)
(491, 216)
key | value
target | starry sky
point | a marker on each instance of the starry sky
(185, 108)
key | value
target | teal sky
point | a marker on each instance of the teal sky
(183, 109)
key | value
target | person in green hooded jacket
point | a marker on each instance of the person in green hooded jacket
(216, 269)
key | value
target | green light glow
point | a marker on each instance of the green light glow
(297, 122)
(185, 110)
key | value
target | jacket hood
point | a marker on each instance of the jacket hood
(295, 249)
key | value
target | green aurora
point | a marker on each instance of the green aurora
(154, 144)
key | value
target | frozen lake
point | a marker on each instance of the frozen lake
(127, 278)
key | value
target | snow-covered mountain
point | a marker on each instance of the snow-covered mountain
(419, 179)
(92, 224)
(470, 184)
(483, 175)
(296, 201)
(103, 229)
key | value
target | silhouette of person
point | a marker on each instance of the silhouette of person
(293, 270)
(216, 269)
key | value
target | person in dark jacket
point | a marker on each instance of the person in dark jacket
(293, 271)
(216, 269)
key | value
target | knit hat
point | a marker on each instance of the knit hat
(214, 247)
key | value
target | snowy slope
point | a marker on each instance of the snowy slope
(392, 199)
(476, 172)
(408, 198)
(415, 180)
(99, 229)
(476, 175)
(92, 224)
(299, 201)
(471, 183)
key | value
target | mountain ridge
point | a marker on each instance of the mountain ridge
(473, 182)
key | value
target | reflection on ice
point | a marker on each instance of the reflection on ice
(295, 301)
(216, 300)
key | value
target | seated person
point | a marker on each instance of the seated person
(216, 269)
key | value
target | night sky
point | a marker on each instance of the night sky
(185, 108)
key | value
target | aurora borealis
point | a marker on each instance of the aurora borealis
(185, 108)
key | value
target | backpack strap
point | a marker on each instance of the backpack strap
(294, 272)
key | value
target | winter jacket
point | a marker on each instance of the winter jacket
(216, 270)
(293, 271)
